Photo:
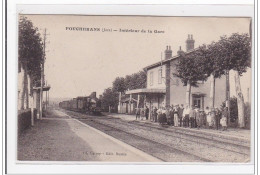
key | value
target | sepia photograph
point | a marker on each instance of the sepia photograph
(134, 89)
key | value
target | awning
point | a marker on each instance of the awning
(146, 91)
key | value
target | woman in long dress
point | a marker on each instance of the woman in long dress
(176, 118)
(208, 117)
(163, 119)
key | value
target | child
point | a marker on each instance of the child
(223, 123)
(223, 120)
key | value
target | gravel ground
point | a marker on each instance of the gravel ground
(51, 140)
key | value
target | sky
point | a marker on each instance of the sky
(80, 62)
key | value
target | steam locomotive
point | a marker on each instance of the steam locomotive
(85, 104)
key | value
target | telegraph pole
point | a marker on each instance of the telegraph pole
(46, 100)
(42, 74)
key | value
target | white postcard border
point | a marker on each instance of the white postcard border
(15, 7)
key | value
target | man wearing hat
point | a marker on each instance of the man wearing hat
(186, 113)
(192, 116)
(217, 118)
(197, 117)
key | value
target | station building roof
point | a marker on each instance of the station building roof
(146, 91)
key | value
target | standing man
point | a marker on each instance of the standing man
(192, 117)
(159, 114)
(171, 116)
(202, 118)
(146, 112)
(217, 118)
(152, 116)
(186, 113)
(155, 114)
(137, 113)
(198, 119)
(168, 115)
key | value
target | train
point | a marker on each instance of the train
(85, 104)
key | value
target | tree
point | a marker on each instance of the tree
(109, 99)
(136, 80)
(30, 57)
(229, 53)
(119, 84)
(235, 54)
(190, 71)
(211, 66)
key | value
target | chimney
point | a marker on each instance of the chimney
(168, 52)
(180, 51)
(190, 43)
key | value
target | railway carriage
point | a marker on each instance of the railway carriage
(85, 104)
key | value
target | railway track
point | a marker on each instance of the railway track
(160, 150)
(195, 133)
(171, 142)
(233, 147)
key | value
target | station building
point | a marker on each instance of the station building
(165, 89)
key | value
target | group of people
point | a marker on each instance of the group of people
(193, 117)
(142, 113)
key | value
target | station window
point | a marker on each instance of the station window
(151, 78)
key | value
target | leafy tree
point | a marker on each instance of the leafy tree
(109, 99)
(229, 53)
(211, 65)
(190, 70)
(136, 80)
(140, 78)
(30, 57)
(128, 82)
(119, 84)
(234, 53)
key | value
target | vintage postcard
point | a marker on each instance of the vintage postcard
(134, 89)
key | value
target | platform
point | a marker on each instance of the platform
(61, 138)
